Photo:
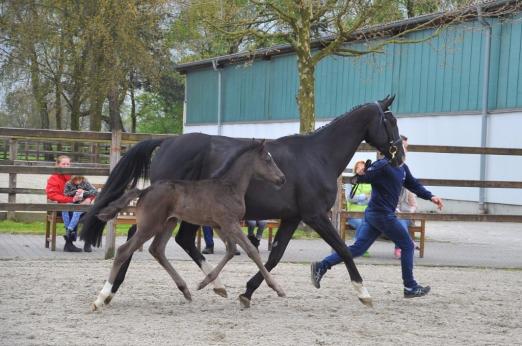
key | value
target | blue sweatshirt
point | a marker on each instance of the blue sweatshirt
(387, 182)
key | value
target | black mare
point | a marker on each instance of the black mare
(311, 163)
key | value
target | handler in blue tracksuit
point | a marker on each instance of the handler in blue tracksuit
(387, 182)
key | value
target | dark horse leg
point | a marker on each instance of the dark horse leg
(157, 249)
(283, 236)
(125, 266)
(322, 225)
(186, 239)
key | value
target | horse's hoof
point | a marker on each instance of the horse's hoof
(244, 301)
(220, 292)
(94, 307)
(187, 296)
(281, 294)
(202, 285)
(108, 299)
(367, 301)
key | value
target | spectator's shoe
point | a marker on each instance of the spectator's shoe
(208, 250)
(397, 253)
(237, 253)
(366, 254)
(69, 246)
(317, 271)
(417, 291)
(87, 247)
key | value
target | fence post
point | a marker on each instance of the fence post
(11, 196)
(114, 158)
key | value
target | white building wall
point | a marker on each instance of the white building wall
(450, 130)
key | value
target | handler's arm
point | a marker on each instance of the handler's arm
(373, 172)
(414, 186)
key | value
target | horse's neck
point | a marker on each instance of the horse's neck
(341, 139)
(240, 173)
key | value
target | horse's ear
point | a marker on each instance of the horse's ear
(262, 144)
(386, 103)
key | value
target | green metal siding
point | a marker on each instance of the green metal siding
(510, 67)
(283, 88)
(441, 75)
(202, 98)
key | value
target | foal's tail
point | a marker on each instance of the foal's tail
(133, 166)
(110, 211)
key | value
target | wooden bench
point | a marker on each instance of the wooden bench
(54, 217)
(270, 225)
(418, 225)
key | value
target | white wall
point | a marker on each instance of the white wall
(451, 130)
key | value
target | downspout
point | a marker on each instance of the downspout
(218, 70)
(184, 107)
(485, 113)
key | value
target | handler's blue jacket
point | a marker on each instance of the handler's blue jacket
(387, 182)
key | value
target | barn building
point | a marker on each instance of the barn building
(463, 87)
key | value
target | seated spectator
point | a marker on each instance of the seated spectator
(208, 235)
(256, 239)
(77, 186)
(55, 192)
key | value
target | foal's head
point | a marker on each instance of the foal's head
(265, 167)
(383, 132)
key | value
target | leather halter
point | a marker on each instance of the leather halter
(393, 142)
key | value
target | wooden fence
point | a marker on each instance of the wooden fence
(32, 151)
(98, 162)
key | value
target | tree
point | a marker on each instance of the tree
(316, 29)
(84, 51)
(22, 28)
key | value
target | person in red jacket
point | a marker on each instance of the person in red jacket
(55, 192)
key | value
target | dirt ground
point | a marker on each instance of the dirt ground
(47, 302)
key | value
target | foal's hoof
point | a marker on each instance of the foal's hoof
(367, 301)
(281, 294)
(221, 292)
(187, 295)
(244, 301)
(202, 284)
(94, 307)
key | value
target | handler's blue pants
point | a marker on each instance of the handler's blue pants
(374, 223)
(208, 235)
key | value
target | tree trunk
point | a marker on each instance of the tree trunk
(133, 106)
(38, 91)
(114, 110)
(305, 94)
(95, 112)
(75, 110)
(58, 105)
(306, 97)
(410, 11)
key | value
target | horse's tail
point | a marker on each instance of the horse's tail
(110, 211)
(132, 166)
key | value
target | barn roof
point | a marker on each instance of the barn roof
(375, 31)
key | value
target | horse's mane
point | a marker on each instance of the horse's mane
(337, 119)
(228, 163)
(331, 123)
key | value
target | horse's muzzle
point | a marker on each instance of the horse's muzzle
(281, 181)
